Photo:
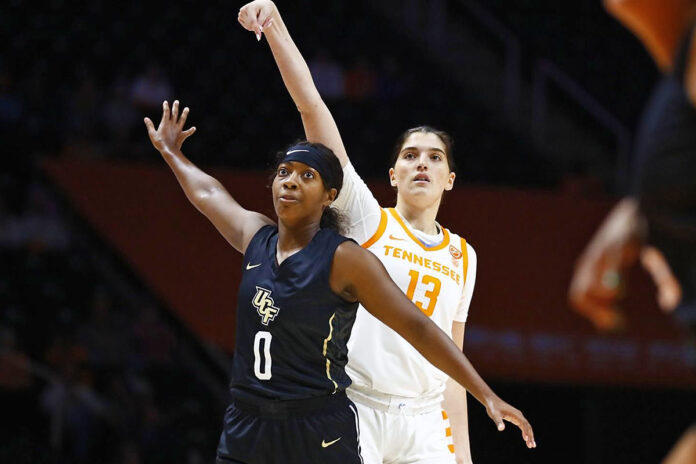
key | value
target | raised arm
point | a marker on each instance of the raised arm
(262, 17)
(357, 273)
(235, 223)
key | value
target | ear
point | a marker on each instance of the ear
(450, 181)
(392, 178)
(333, 193)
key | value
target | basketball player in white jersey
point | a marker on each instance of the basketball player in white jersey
(398, 393)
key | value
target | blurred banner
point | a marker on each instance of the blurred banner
(520, 326)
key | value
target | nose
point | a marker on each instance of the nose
(422, 162)
(290, 182)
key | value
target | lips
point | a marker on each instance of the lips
(421, 178)
(288, 198)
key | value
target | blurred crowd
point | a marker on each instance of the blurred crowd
(86, 375)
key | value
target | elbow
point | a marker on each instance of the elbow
(203, 196)
(310, 107)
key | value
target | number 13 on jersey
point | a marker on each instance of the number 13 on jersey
(431, 293)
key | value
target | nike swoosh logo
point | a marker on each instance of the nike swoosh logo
(249, 266)
(395, 238)
(296, 151)
(324, 444)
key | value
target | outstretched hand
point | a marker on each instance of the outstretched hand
(170, 134)
(499, 411)
(256, 16)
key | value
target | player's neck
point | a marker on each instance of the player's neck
(418, 216)
(293, 238)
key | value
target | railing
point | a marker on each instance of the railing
(547, 73)
(525, 107)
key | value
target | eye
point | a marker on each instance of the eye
(282, 171)
(409, 155)
(308, 175)
(436, 157)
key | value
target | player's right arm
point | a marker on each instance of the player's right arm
(358, 274)
(356, 201)
(262, 16)
(235, 223)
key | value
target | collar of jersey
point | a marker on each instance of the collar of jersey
(439, 246)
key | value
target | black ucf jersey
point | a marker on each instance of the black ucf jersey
(292, 329)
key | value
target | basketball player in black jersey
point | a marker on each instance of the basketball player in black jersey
(656, 222)
(297, 301)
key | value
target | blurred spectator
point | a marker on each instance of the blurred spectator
(75, 411)
(391, 83)
(120, 117)
(105, 334)
(15, 366)
(39, 227)
(150, 89)
(328, 75)
(361, 81)
(155, 340)
(11, 105)
(84, 107)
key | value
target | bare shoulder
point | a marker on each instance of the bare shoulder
(350, 253)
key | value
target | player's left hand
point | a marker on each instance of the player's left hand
(500, 411)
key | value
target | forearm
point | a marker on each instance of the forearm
(439, 350)
(292, 66)
(317, 120)
(196, 184)
(456, 406)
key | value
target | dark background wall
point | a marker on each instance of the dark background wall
(111, 285)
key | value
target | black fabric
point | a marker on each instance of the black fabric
(664, 177)
(327, 435)
(299, 349)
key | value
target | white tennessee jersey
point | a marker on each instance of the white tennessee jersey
(434, 278)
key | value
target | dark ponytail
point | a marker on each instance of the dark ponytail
(333, 219)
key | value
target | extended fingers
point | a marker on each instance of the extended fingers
(165, 112)
(175, 111)
(150, 126)
(187, 133)
(184, 115)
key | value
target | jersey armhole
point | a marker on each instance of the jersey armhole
(380, 230)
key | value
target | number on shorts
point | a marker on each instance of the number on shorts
(266, 337)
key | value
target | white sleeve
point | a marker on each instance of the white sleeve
(358, 205)
(463, 310)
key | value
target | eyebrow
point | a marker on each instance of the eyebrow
(429, 149)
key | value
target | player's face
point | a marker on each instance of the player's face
(299, 193)
(421, 169)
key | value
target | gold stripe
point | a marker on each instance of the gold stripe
(328, 362)
(465, 258)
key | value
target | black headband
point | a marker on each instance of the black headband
(312, 157)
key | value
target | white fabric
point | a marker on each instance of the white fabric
(378, 358)
(404, 439)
